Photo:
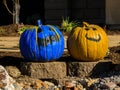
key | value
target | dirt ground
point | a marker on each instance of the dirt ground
(12, 30)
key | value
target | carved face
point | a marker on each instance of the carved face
(88, 43)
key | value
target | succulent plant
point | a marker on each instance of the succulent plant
(68, 25)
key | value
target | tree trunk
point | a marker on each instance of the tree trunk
(16, 11)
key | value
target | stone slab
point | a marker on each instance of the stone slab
(61, 69)
(44, 70)
(82, 69)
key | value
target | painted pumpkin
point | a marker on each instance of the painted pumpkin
(88, 43)
(43, 44)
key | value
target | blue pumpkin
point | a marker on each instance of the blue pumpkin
(43, 44)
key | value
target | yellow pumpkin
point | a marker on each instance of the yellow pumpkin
(88, 43)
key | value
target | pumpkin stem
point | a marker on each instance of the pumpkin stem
(39, 23)
(85, 24)
(39, 28)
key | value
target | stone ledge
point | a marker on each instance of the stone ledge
(82, 69)
(61, 69)
(44, 70)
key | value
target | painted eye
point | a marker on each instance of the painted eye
(94, 28)
(52, 38)
(47, 40)
(86, 28)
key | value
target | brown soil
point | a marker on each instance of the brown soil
(9, 30)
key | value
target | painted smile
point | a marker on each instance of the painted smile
(93, 39)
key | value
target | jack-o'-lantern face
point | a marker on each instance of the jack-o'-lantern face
(50, 36)
(88, 43)
(93, 31)
(98, 37)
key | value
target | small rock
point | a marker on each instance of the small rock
(111, 85)
(13, 71)
(80, 87)
(27, 86)
(70, 83)
(83, 82)
(56, 88)
(116, 88)
(37, 84)
(91, 81)
(6, 82)
(48, 83)
(18, 86)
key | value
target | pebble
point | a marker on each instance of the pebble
(6, 82)
(13, 71)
